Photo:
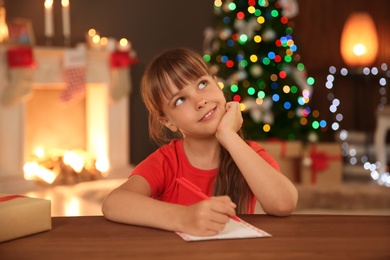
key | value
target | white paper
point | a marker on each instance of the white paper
(233, 230)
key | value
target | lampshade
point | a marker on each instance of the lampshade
(359, 40)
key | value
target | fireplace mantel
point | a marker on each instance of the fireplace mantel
(106, 121)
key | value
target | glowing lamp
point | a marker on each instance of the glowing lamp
(359, 40)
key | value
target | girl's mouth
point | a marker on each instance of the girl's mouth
(208, 115)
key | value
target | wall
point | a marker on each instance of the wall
(151, 26)
(317, 33)
(156, 25)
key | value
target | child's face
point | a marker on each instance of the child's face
(195, 110)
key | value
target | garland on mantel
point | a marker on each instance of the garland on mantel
(21, 65)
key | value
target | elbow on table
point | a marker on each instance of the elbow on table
(282, 211)
(107, 209)
(282, 208)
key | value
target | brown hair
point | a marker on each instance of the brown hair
(180, 67)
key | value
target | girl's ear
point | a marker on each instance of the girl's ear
(168, 124)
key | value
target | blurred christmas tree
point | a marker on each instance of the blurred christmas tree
(252, 51)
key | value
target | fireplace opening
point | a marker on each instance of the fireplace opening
(50, 124)
(55, 143)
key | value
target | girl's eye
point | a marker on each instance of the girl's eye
(179, 101)
(202, 85)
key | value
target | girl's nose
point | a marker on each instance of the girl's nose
(201, 103)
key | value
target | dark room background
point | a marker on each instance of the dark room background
(153, 26)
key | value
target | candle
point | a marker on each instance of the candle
(65, 18)
(88, 37)
(103, 42)
(49, 30)
(124, 45)
(111, 44)
(93, 39)
(96, 42)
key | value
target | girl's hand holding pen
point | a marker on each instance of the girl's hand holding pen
(207, 217)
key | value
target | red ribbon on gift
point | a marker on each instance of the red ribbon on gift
(320, 162)
(10, 197)
(121, 59)
(283, 148)
(20, 57)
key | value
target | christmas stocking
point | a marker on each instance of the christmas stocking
(20, 63)
(120, 83)
(74, 74)
(120, 74)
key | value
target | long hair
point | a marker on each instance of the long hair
(181, 67)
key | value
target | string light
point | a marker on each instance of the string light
(347, 149)
(268, 78)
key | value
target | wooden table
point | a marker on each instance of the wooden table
(294, 237)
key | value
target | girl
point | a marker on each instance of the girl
(187, 108)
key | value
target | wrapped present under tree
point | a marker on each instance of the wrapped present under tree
(288, 155)
(321, 164)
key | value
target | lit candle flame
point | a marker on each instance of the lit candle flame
(65, 3)
(103, 41)
(124, 45)
(91, 32)
(123, 42)
(48, 3)
(96, 39)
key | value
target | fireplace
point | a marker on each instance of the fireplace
(96, 124)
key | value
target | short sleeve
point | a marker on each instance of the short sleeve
(263, 153)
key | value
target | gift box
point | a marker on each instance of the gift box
(288, 155)
(21, 216)
(322, 164)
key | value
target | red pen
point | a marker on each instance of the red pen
(197, 191)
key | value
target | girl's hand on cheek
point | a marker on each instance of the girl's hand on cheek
(208, 217)
(232, 121)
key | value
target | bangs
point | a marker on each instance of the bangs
(178, 70)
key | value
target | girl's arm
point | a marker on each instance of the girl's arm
(131, 203)
(275, 192)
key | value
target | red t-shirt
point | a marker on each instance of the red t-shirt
(162, 167)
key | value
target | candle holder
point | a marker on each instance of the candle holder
(49, 41)
(49, 22)
(66, 22)
(66, 41)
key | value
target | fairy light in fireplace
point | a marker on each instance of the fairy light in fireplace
(103, 165)
(347, 149)
(33, 169)
(74, 160)
(39, 152)
(58, 166)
